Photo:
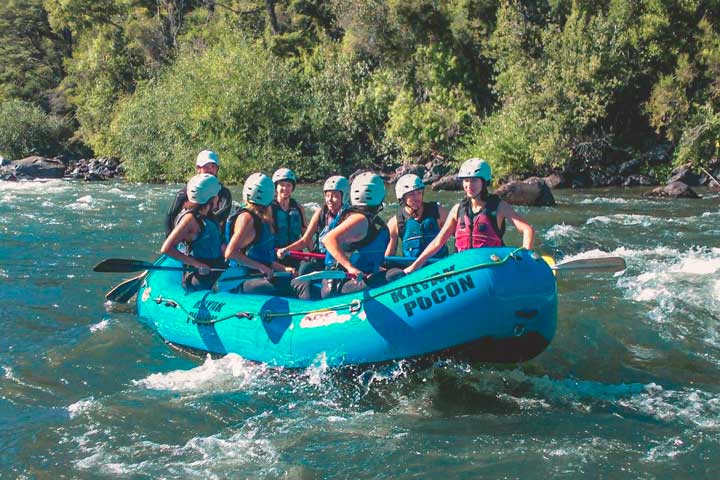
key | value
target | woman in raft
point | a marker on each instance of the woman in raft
(336, 191)
(197, 234)
(251, 235)
(357, 244)
(479, 219)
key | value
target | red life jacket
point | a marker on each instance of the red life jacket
(481, 229)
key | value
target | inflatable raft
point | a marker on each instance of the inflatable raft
(487, 304)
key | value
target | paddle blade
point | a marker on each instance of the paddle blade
(122, 265)
(599, 264)
(124, 291)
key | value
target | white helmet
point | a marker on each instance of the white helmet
(284, 174)
(368, 189)
(201, 188)
(205, 157)
(406, 184)
(340, 184)
(475, 168)
(259, 189)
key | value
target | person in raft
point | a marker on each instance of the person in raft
(289, 215)
(357, 244)
(198, 234)
(208, 162)
(336, 191)
(251, 237)
(417, 222)
(479, 219)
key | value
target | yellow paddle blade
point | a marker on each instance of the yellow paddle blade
(551, 263)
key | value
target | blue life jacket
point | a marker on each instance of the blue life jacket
(207, 245)
(326, 223)
(369, 253)
(288, 224)
(262, 248)
(416, 235)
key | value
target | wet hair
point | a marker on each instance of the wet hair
(265, 213)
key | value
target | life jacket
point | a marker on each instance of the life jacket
(262, 248)
(326, 222)
(207, 245)
(288, 224)
(481, 229)
(369, 253)
(220, 215)
(417, 234)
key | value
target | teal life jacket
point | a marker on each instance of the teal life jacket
(417, 234)
(262, 248)
(207, 245)
(369, 253)
(326, 223)
(288, 224)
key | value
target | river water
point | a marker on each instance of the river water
(629, 388)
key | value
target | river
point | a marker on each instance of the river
(629, 387)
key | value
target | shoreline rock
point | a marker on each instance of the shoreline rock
(30, 168)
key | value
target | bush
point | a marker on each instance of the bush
(235, 98)
(26, 129)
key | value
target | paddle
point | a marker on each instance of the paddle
(324, 275)
(117, 265)
(320, 256)
(598, 264)
(124, 291)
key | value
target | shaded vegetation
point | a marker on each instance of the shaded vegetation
(327, 86)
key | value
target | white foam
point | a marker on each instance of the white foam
(312, 206)
(83, 203)
(102, 325)
(42, 186)
(80, 406)
(560, 231)
(604, 200)
(627, 219)
(228, 373)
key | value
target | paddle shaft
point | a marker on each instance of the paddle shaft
(122, 265)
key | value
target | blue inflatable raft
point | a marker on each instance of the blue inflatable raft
(484, 304)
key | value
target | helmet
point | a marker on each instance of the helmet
(259, 189)
(205, 157)
(406, 184)
(367, 189)
(340, 184)
(201, 188)
(284, 174)
(475, 168)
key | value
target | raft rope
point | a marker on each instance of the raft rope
(354, 305)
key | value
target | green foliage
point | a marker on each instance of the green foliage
(329, 86)
(26, 129)
(30, 54)
(234, 98)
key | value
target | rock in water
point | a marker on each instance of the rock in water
(674, 190)
(532, 192)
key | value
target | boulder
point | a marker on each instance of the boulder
(685, 175)
(415, 168)
(674, 190)
(433, 172)
(631, 166)
(638, 180)
(557, 180)
(36, 167)
(532, 192)
(448, 182)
